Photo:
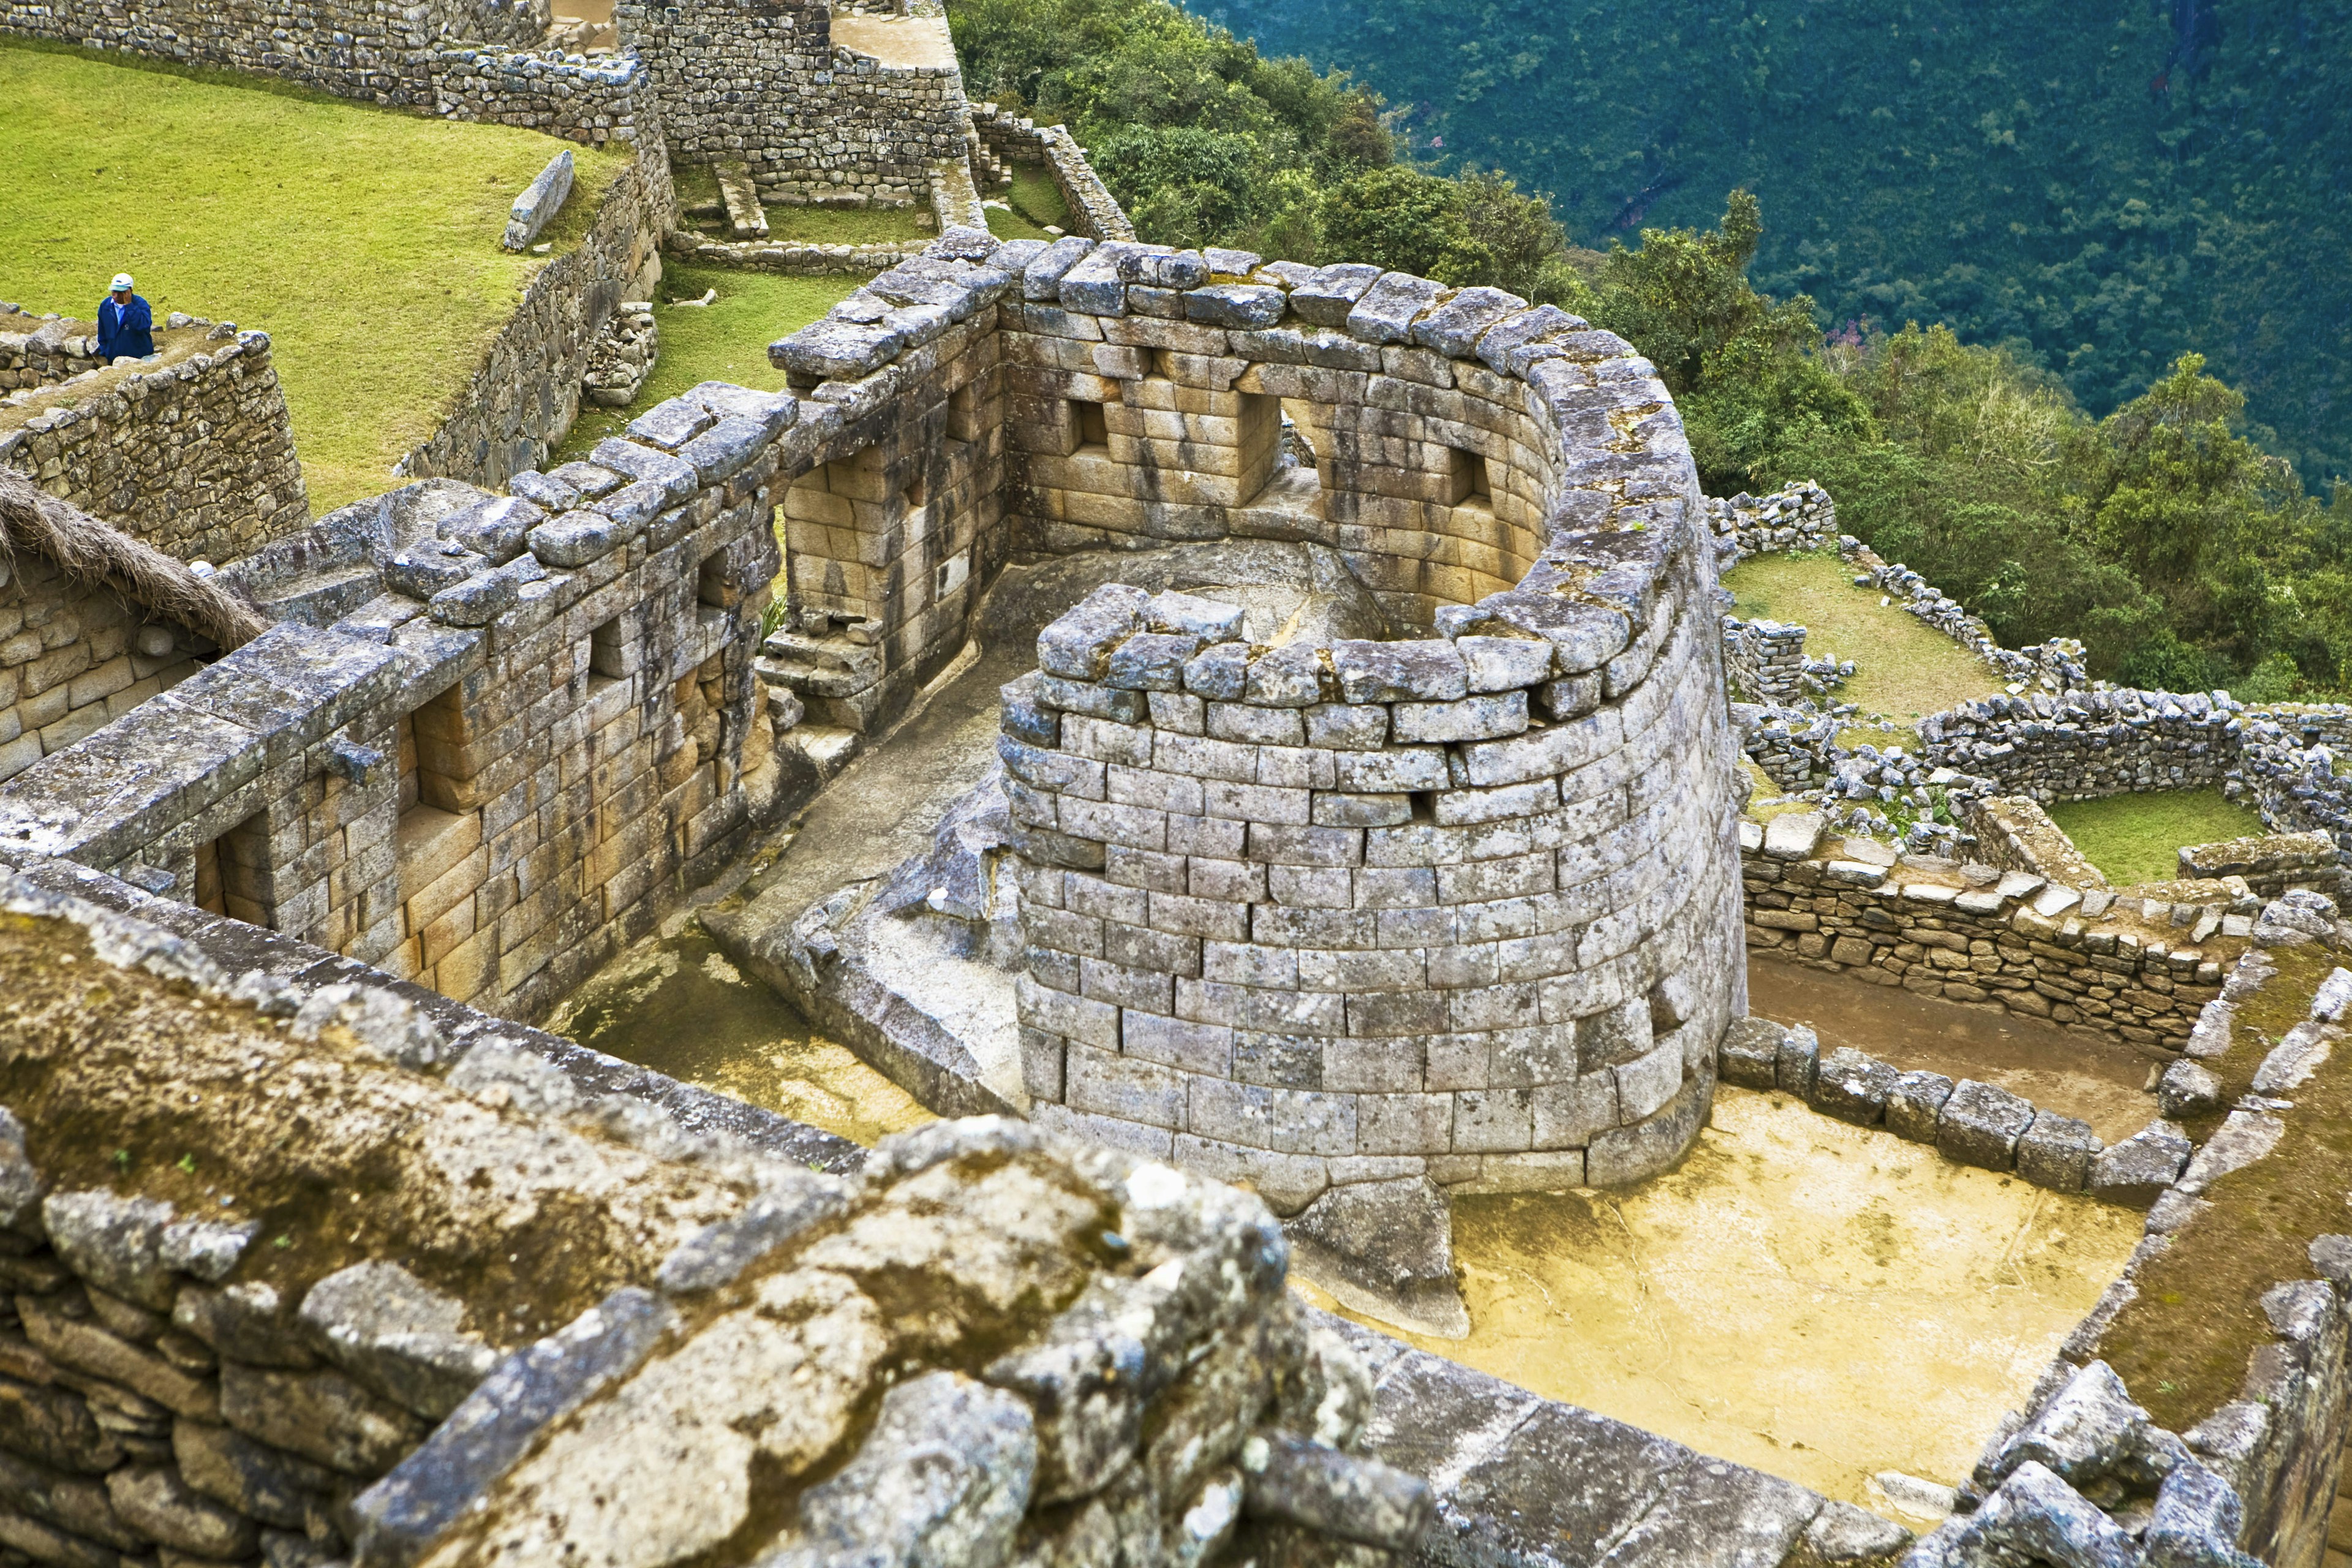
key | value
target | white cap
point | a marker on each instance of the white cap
(121, 280)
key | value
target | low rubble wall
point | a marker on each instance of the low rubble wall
(2135, 969)
(195, 456)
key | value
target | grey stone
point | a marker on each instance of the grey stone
(1041, 278)
(1152, 661)
(159, 1504)
(387, 1329)
(2057, 1152)
(1455, 328)
(1093, 286)
(1793, 835)
(206, 1250)
(422, 571)
(1316, 1485)
(1210, 620)
(496, 1424)
(1561, 1474)
(539, 202)
(577, 537)
(1289, 677)
(1389, 1244)
(586, 480)
(1914, 1103)
(718, 1254)
(1505, 346)
(251, 1477)
(2332, 1257)
(1077, 646)
(2087, 1432)
(477, 602)
(631, 507)
(1799, 1060)
(1844, 1536)
(1220, 673)
(321, 1416)
(1386, 312)
(72, 1503)
(1503, 664)
(2243, 1137)
(1326, 297)
(671, 424)
(373, 1019)
(1980, 1125)
(247, 1322)
(2039, 1517)
(835, 350)
(645, 464)
(1428, 671)
(1853, 1087)
(1624, 1155)
(2188, 1089)
(943, 1477)
(773, 412)
(20, 1186)
(1719, 1513)
(2195, 1523)
(55, 1427)
(1750, 1053)
(492, 528)
(726, 448)
(1235, 305)
(116, 1244)
(2136, 1172)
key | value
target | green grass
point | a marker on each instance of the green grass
(2133, 838)
(849, 226)
(725, 340)
(1904, 668)
(1034, 201)
(364, 241)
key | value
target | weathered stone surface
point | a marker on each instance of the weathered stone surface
(2188, 1089)
(2057, 1152)
(1980, 1124)
(719, 1253)
(323, 1416)
(1797, 1061)
(944, 1477)
(539, 202)
(158, 1503)
(1385, 1248)
(256, 1480)
(1853, 1087)
(577, 537)
(2138, 1170)
(21, 1186)
(116, 1242)
(1914, 1102)
(1750, 1053)
(381, 1325)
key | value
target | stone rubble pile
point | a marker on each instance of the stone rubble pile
(1765, 662)
(622, 355)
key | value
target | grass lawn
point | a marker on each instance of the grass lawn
(2133, 838)
(364, 241)
(1034, 201)
(848, 226)
(1904, 668)
(725, 340)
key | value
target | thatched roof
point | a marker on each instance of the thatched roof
(91, 552)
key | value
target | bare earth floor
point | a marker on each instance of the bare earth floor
(2070, 1071)
(1818, 1300)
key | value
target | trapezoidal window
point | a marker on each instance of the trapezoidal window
(1465, 478)
(233, 874)
(1088, 421)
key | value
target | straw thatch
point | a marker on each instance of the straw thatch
(91, 552)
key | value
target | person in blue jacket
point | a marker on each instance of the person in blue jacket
(125, 325)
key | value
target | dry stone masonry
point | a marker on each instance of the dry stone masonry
(557, 1316)
(193, 454)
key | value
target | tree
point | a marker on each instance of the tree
(1405, 220)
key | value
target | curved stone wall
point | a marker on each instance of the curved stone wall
(1464, 905)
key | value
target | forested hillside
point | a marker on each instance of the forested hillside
(2063, 439)
(2101, 183)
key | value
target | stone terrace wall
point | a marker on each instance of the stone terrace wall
(765, 84)
(526, 392)
(74, 658)
(1094, 213)
(1337, 914)
(462, 61)
(196, 457)
(245, 1355)
(2135, 969)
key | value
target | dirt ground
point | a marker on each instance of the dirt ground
(2070, 1071)
(1818, 1300)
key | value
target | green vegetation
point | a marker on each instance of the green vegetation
(849, 226)
(726, 339)
(2098, 190)
(2182, 1344)
(2135, 838)
(1904, 668)
(1034, 202)
(366, 242)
